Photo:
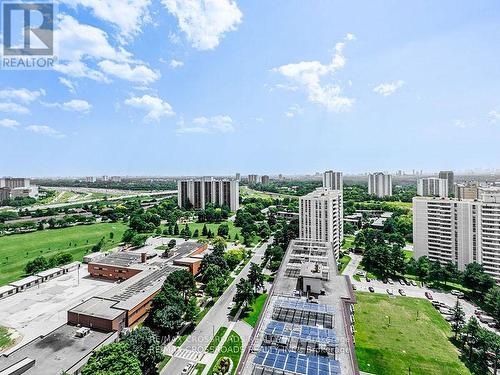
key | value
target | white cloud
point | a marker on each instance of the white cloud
(128, 15)
(71, 86)
(390, 88)
(176, 64)
(219, 123)
(155, 107)
(205, 21)
(81, 45)
(462, 124)
(294, 110)
(13, 108)
(45, 130)
(8, 123)
(141, 73)
(308, 75)
(22, 95)
(494, 117)
(75, 105)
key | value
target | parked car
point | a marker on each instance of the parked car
(407, 282)
(384, 281)
(390, 292)
(402, 292)
(389, 280)
(445, 311)
(478, 312)
(371, 289)
(492, 325)
(401, 282)
(429, 295)
(448, 318)
(436, 304)
(486, 319)
(412, 282)
(187, 368)
(354, 287)
(368, 279)
(457, 293)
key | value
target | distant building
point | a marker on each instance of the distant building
(380, 184)
(333, 180)
(238, 177)
(458, 231)
(321, 217)
(11, 188)
(252, 178)
(466, 191)
(90, 179)
(115, 179)
(197, 193)
(448, 175)
(264, 180)
(432, 187)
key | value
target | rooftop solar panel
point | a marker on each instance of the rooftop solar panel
(303, 332)
(295, 363)
(295, 304)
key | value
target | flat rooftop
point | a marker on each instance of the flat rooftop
(49, 272)
(55, 352)
(188, 260)
(188, 247)
(133, 291)
(98, 307)
(120, 258)
(24, 281)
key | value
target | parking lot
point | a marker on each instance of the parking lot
(417, 292)
(41, 309)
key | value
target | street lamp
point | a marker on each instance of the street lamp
(388, 317)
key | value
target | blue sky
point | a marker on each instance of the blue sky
(171, 87)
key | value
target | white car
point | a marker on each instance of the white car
(457, 293)
(389, 280)
(187, 368)
(390, 292)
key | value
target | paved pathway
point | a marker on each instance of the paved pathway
(204, 332)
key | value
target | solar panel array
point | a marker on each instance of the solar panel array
(143, 284)
(302, 332)
(297, 304)
(294, 363)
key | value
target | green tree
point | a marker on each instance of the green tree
(138, 240)
(183, 282)
(36, 265)
(145, 345)
(223, 230)
(172, 243)
(471, 331)
(457, 318)
(204, 231)
(176, 229)
(492, 302)
(196, 233)
(192, 310)
(215, 287)
(423, 266)
(255, 276)
(476, 279)
(244, 293)
(113, 359)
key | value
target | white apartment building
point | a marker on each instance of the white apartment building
(252, 178)
(321, 217)
(459, 231)
(380, 184)
(432, 187)
(333, 180)
(450, 176)
(205, 190)
(17, 187)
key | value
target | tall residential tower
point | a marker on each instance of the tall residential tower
(197, 193)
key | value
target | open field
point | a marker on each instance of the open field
(16, 250)
(348, 242)
(420, 343)
(232, 348)
(344, 261)
(252, 314)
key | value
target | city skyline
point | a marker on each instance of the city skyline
(344, 86)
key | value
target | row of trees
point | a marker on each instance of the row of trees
(138, 353)
(41, 263)
(247, 289)
(480, 346)
(213, 213)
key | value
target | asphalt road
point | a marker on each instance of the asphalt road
(198, 341)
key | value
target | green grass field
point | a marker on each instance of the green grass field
(216, 340)
(344, 261)
(252, 314)
(16, 250)
(232, 348)
(348, 242)
(5, 339)
(419, 343)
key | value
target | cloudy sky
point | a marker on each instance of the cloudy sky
(169, 87)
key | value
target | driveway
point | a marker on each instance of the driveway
(193, 349)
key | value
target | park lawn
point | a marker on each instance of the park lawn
(348, 242)
(199, 368)
(232, 348)
(216, 340)
(420, 343)
(408, 255)
(344, 261)
(16, 250)
(163, 363)
(252, 314)
(407, 205)
(5, 340)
